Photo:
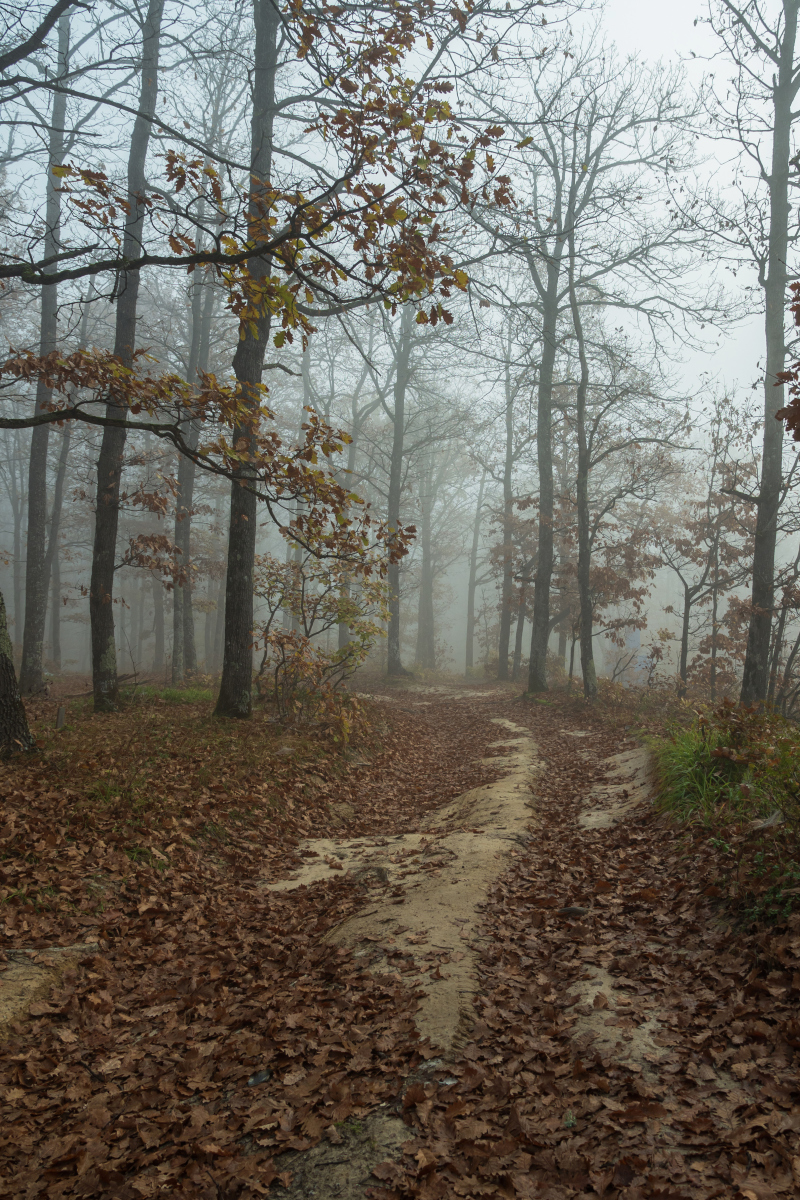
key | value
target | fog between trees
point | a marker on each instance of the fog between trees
(355, 335)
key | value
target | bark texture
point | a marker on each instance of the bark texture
(472, 582)
(109, 464)
(426, 639)
(582, 494)
(507, 584)
(540, 635)
(236, 685)
(14, 732)
(37, 573)
(394, 663)
(755, 678)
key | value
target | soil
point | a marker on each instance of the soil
(32, 975)
(432, 886)
(488, 968)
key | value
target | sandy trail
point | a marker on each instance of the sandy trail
(427, 893)
(432, 885)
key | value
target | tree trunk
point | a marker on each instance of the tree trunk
(236, 686)
(109, 464)
(426, 646)
(219, 625)
(52, 562)
(473, 577)
(756, 664)
(507, 584)
(158, 624)
(140, 607)
(562, 649)
(394, 662)
(540, 636)
(176, 667)
(517, 667)
(18, 501)
(784, 690)
(684, 654)
(37, 577)
(714, 626)
(208, 637)
(14, 732)
(776, 654)
(184, 651)
(582, 491)
(55, 612)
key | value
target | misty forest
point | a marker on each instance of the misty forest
(400, 599)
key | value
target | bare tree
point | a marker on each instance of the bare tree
(592, 141)
(762, 45)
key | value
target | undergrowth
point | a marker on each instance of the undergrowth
(733, 775)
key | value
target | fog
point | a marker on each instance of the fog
(505, 293)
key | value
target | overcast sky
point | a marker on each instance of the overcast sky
(658, 28)
(665, 29)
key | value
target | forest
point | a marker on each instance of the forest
(399, 599)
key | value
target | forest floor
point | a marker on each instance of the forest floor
(464, 957)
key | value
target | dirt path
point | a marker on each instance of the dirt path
(432, 887)
(504, 977)
(628, 1045)
(429, 885)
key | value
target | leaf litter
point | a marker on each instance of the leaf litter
(629, 1043)
(213, 1030)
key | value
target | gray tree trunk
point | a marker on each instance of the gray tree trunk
(507, 585)
(184, 651)
(235, 697)
(540, 635)
(158, 624)
(426, 642)
(472, 582)
(37, 576)
(52, 561)
(14, 732)
(755, 676)
(109, 464)
(517, 665)
(394, 660)
(582, 492)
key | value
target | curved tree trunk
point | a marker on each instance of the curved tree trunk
(109, 463)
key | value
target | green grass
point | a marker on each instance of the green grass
(170, 695)
(724, 774)
(731, 764)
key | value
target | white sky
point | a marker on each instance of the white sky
(657, 28)
(665, 29)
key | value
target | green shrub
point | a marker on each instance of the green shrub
(735, 772)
